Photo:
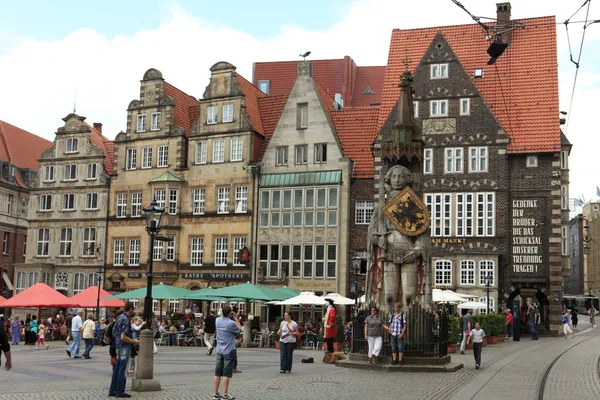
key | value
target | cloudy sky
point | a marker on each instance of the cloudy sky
(96, 52)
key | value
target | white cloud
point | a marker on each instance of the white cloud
(39, 78)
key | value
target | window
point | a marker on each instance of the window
(61, 281)
(155, 122)
(45, 202)
(136, 204)
(198, 201)
(43, 242)
(89, 241)
(5, 241)
(264, 86)
(49, 173)
(438, 71)
(564, 197)
(121, 205)
(46, 278)
(465, 106)
(464, 214)
(134, 252)
(223, 200)
(174, 305)
(9, 203)
(212, 115)
(71, 146)
(119, 252)
(33, 278)
(363, 212)
(478, 159)
(197, 251)
(484, 300)
(228, 113)
(301, 153)
(21, 282)
(201, 149)
(320, 153)
(454, 160)
(307, 271)
(478, 73)
(221, 251)
(438, 108)
(281, 155)
(68, 202)
(163, 156)
(318, 209)
(238, 244)
(66, 240)
(416, 109)
(241, 199)
(131, 159)
(564, 159)
(319, 261)
(485, 214)
(70, 172)
(147, 157)
(467, 272)
(92, 171)
(428, 161)
(296, 261)
(440, 206)
(218, 155)
(564, 240)
(160, 195)
(531, 161)
(331, 260)
(302, 116)
(92, 279)
(170, 248)
(78, 282)
(486, 269)
(172, 201)
(141, 123)
(443, 272)
(237, 145)
(157, 251)
(91, 201)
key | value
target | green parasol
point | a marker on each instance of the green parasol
(159, 292)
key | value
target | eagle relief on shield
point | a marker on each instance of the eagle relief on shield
(408, 213)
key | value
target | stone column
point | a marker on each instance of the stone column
(144, 376)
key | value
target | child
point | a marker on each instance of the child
(41, 334)
(477, 335)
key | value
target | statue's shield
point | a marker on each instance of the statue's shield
(408, 213)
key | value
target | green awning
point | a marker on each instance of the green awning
(301, 179)
(167, 177)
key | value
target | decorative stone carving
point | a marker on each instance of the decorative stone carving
(74, 124)
(121, 137)
(439, 126)
(152, 73)
(48, 153)
(304, 68)
(133, 105)
(166, 101)
(177, 131)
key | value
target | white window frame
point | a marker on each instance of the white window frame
(428, 161)
(49, 173)
(160, 195)
(302, 116)
(136, 204)
(9, 203)
(174, 305)
(162, 159)
(71, 145)
(33, 278)
(201, 152)
(467, 273)
(147, 157)
(43, 242)
(442, 272)
(221, 251)
(45, 202)
(464, 214)
(173, 197)
(236, 152)
(239, 242)
(89, 241)
(121, 205)
(465, 106)
(485, 214)
(212, 115)
(196, 251)
(320, 153)
(20, 282)
(363, 212)
(564, 240)
(198, 201)
(157, 251)
(72, 174)
(131, 159)
(531, 161)
(241, 199)
(438, 71)
(155, 121)
(134, 252)
(440, 208)
(564, 197)
(141, 123)
(263, 86)
(66, 242)
(281, 155)
(416, 109)
(227, 113)
(453, 160)
(484, 300)
(91, 201)
(92, 171)
(170, 248)
(218, 151)
(223, 196)
(478, 159)
(438, 108)
(487, 268)
(301, 154)
(67, 204)
(119, 252)
(564, 159)
(5, 243)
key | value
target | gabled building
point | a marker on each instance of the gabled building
(19, 151)
(67, 210)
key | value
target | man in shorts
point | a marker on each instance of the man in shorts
(228, 326)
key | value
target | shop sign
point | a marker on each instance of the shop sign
(229, 276)
(134, 275)
(314, 284)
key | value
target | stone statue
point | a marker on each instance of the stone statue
(396, 259)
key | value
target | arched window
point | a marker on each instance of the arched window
(78, 282)
(484, 301)
(443, 272)
(46, 278)
(467, 272)
(92, 279)
(61, 281)
(21, 281)
(33, 278)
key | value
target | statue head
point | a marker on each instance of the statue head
(398, 177)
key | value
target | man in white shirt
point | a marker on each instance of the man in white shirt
(76, 328)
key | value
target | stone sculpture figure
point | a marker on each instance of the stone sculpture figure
(394, 259)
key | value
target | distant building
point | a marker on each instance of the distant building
(574, 283)
(591, 248)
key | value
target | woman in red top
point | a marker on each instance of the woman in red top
(330, 326)
(509, 324)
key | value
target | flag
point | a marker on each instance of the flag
(578, 203)
(597, 191)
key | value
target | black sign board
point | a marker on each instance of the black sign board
(134, 275)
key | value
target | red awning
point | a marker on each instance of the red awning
(89, 299)
(39, 295)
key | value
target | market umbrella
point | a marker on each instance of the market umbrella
(468, 305)
(445, 296)
(39, 296)
(304, 298)
(207, 294)
(287, 291)
(339, 299)
(159, 292)
(248, 292)
(89, 299)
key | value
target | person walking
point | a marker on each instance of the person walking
(123, 342)
(532, 315)
(227, 328)
(330, 328)
(566, 320)
(76, 328)
(41, 334)
(592, 314)
(209, 331)
(509, 324)
(28, 330)
(477, 336)
(136, 326)
(397, 329)
(374, 333)
(288, 332)
(33, 326)
(15, 330)
(467, 326)
(574, 318)
(88, 330)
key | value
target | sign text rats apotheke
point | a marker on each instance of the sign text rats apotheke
(215, 276)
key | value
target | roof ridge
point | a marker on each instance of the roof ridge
(472, 24)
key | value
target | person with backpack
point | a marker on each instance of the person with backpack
(109, 338)
(397, 329)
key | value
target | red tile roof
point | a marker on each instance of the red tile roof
(20, 147)
(368, 77)
(270, 108)
(183, 104)
(526, 76)
(106, 145)
(252, 95)
(357, 128)
(326, 100)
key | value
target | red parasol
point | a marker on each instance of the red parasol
(89, 299)
(39, 295)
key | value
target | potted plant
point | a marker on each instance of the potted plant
(454, 328)
(339, 343)
(274, 335)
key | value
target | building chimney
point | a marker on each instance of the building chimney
(503, 20)
(304, 68)
(98, 127)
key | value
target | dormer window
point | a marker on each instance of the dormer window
(155, 123)
(212, 115)
(141, 123)
(478, 73)
(438, 71)
(531, 161)
(71, 146)
(438, 108)
(264, 86)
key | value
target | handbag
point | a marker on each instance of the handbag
(297, 336)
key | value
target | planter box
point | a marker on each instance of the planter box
(277, 344)
(500, 339)
(492, 339)
(452, 349)
(470, 346)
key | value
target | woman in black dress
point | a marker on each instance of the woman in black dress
(574, 317)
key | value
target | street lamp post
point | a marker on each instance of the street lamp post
(488, 282)
(153, 215)
(99, 272)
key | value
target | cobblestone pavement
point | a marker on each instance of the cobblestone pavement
(186, 373)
